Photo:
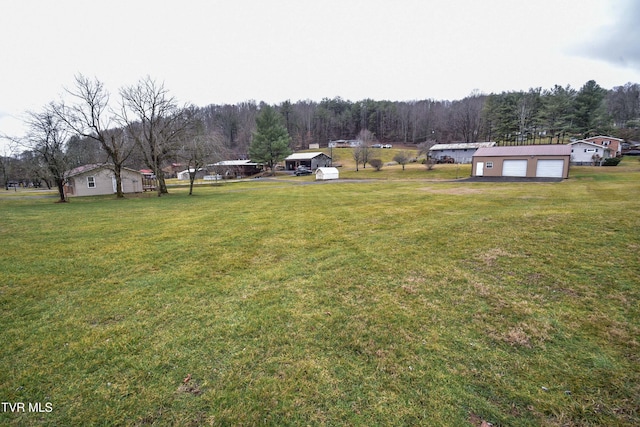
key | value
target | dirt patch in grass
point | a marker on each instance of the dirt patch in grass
(491, 256)
(189, 385)
(192, 388)
(477, 421)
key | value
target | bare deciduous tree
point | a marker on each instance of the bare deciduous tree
(623, 104)
(91, 117)
(47, 135)
(366, 137)
(402, 158)
(30, 166)
(424, 147)
(153, 119)
(466, 117)
(361, 154)
(6, 157)
(376, 164)
(303, 111)
(356, 153)
(199, 148)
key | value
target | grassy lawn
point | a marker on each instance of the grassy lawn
(386, 302)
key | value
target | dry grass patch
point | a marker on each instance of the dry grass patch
(457, 190)
(491, 256)
(525, 334)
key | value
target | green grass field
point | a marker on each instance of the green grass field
(401, 300)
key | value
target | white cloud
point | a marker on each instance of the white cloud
(617, 41)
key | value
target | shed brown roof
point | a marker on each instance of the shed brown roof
(87, 168)
(83, 169)
(524, 150)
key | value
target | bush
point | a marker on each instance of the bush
(376, 163)
(611, 161)
(429, 163)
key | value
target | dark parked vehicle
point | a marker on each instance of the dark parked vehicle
(302, 170)
(445, 159)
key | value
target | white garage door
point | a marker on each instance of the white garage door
(514, 168)
(550, 168)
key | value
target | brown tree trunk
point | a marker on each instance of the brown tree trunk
(117, 170)
(162, 185)
(60, 185)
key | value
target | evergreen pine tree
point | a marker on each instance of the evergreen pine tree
(270, 143)
(588, 107)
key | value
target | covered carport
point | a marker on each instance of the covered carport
(312, 160)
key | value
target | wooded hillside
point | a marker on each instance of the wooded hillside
(554, 115)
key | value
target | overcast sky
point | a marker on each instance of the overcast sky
(229, 51)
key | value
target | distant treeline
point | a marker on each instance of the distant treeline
(537, 115)
(525, 117)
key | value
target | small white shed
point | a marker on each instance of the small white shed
(183, 175)
(323, 174)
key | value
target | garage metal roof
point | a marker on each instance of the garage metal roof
(304, 156)
(235, 163)
(524, 150)
(461, 146)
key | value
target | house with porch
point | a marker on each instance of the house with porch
(234, 168)
(608, 142)
(586, 153)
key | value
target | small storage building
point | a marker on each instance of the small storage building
(325, 174)
(99, 179)
(525, 161)
(184, 175)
